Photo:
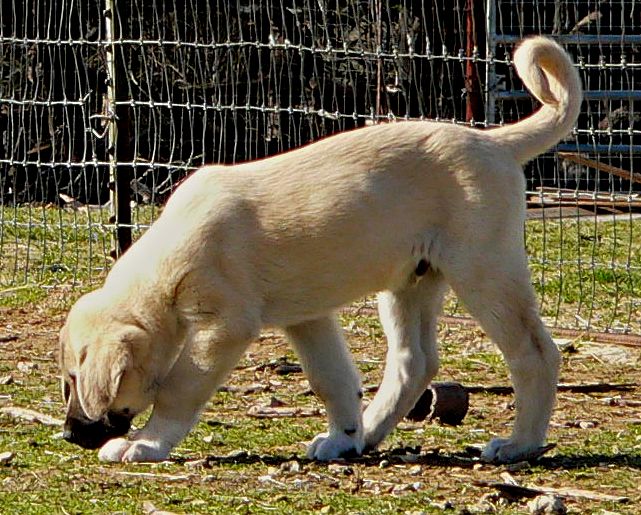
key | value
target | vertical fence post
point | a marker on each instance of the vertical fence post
(118, 146)
(490, 50)
(379, 61)
(473, 19)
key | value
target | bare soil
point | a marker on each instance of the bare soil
(237, 458)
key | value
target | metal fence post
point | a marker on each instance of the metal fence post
(118, 146)
(490, 72)
(473, 20)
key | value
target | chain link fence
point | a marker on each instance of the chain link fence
(106, 106)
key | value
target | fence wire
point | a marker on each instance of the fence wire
(191, 83)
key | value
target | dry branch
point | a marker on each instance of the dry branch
(281, 412)
(515, 491)
(602, 167)
(29, 415)
(150, 475)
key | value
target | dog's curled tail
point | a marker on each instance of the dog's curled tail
(548, 73)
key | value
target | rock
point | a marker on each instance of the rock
(547, 505)
(6, 457)
(448, 402)
(290, 466)
(415, 470)
(342, 470)
(26, 367)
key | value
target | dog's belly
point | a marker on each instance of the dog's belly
(305, 294)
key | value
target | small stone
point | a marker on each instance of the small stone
(547, 505)
(290, 466)
(6, 380)
(342, 470)
(26, 367)
(208, 438)
(6, 457)
(300, 483)
(415, 470)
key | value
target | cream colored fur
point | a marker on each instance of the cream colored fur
(285, 241)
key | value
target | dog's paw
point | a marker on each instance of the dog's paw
(114, 450)
(146, 451)
(501, 450)
(326, 447)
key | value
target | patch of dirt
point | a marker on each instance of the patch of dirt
(598, 435)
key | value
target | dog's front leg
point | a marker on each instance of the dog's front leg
(200, 369)
(334, 378)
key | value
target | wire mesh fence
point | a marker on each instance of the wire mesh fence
(106, 106)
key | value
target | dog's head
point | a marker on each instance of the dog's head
(103, 385)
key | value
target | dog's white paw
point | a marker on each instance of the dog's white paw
(121, 449)
(114, 450)
(326, 446)
(145, 451)
(501, 450)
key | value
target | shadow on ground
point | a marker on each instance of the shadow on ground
(436, 458)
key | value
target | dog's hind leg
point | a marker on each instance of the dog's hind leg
(334, 378)
(212, 351)
(503, 301)
(409, 318)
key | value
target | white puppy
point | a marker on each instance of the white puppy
(401, 208)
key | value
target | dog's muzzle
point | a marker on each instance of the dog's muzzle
(92, 434)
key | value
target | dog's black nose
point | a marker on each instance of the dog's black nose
(92, 434)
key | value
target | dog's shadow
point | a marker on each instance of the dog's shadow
(434, 458)
(580, 461)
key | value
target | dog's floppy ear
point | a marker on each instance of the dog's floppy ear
(100, 373)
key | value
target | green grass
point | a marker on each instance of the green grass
(45, 248)
(588, 271)
(232, 462)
